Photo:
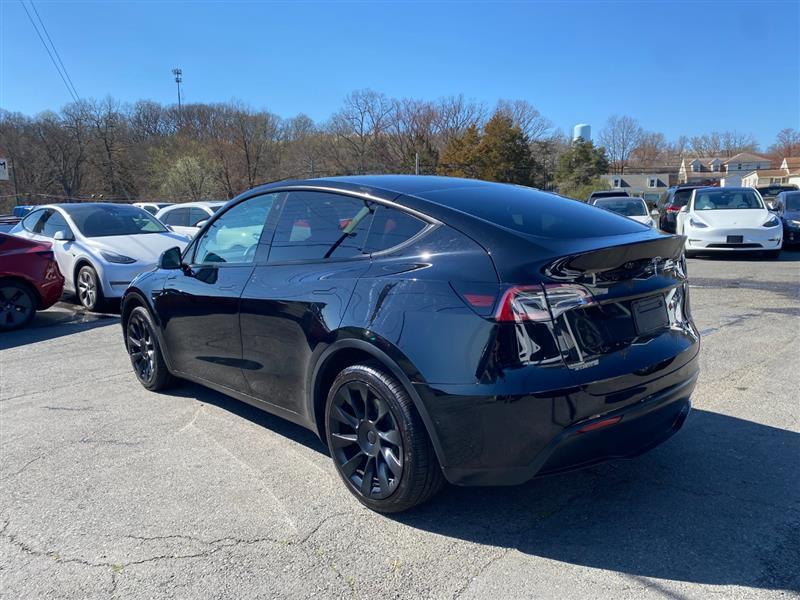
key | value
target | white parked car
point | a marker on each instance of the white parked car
(631, 207)
(99, 247)
(152, 207)
(185, 218)
(729, 220)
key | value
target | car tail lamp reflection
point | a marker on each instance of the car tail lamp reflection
(600, 424)
(539, 303)
(673, 208)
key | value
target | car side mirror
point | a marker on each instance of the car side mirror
(170, 259)
(684, 208)
(63, 236)
(201, 224)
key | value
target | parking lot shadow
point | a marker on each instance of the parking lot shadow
(55, 323)
(287, 429)
(717, 504)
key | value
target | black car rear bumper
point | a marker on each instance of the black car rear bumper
(641, 426)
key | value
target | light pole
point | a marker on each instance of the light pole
(178, 78)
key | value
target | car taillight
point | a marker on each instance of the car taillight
(673, 208)
(522, 302)
(48, 254)
(539, 303)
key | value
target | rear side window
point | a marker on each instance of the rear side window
(535, 213)
(319, 225)
(390, 228)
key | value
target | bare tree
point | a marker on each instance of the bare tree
(651, 150)
(454, 116)
(787, 144)
(525, 116)
(358, 127)
(620, 137)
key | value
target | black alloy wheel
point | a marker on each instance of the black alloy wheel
(378, 442)
(366, 441)
(144, 352)
(17, 305)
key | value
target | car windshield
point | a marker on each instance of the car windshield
(792, 201)
(94, 220)
(622, 206)
(726, 200)
(682, 196)
(773, 190)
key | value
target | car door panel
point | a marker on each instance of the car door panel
(199, 304)
(292, 306)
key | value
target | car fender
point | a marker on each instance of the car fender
(392, 363)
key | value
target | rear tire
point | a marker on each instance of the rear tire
(17, 304)
(378, 441)
(87, 286)
(144, 351)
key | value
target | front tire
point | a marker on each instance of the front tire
(17, 305)
(145, 353)
(772, 254)
(378, 442)
(90, 294)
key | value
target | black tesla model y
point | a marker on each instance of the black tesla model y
(428, 328)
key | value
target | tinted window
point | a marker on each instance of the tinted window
(178, 217)
(792, 201)
(681, 197)
(391, 227)
(535, 213)
(628, 208)
(234, 236)
(151, 209)
(52, 222)
(316, 225)
(31, 221)
(101, 220)
(196, 215)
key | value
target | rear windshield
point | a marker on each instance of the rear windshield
(681, 197)
(535, 213)
(628, 208)
(792, 201)
(726, 200)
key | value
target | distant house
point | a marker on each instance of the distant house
(788, 172)
(716, 170)
(649, 186)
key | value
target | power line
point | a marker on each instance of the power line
(50, 54)
(58, 56)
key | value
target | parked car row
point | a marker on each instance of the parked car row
(100, 248)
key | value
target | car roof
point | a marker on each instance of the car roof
(201, 203)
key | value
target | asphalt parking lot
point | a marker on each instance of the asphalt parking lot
(107, 490)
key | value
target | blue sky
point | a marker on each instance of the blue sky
(677, 67)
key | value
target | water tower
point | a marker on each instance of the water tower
(582, 131)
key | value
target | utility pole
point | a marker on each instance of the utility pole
(178, 78)
(416, 163)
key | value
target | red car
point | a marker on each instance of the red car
(29, 280)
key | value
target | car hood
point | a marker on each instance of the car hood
(734, 217)
(146, 248)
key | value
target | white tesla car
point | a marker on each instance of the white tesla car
(152, 207)
(628, 206)
(729, 220)
(186, 217)
(99, 247)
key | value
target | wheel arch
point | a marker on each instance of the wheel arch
(29, 284)
(133, 298)
(344, 353)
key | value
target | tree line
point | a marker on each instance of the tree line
(146, 150)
